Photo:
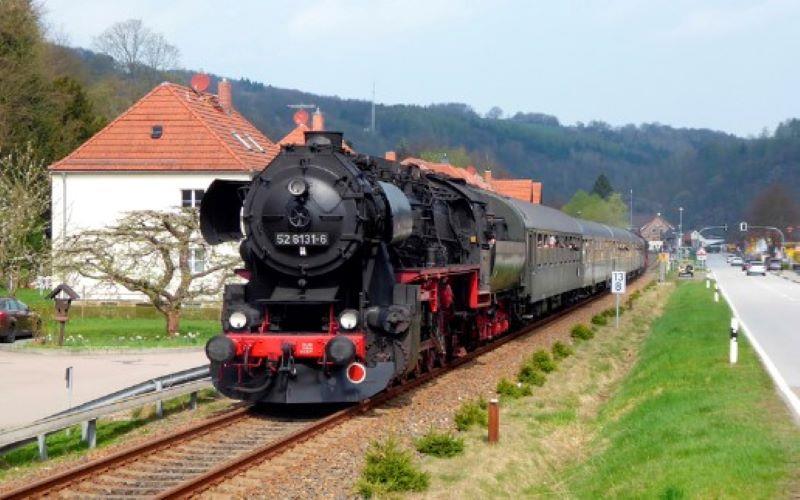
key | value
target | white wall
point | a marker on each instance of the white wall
(93, 200)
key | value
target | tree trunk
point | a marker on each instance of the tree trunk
(173, 322)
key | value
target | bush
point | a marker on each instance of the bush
(561, 350)
(511, 390)
(389, 468)
(541, 360)
(528, 374)
(582, 332)
(609, 313)
(599, 320)
(440, 444)
(472, 413)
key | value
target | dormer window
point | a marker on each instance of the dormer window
(156, 132)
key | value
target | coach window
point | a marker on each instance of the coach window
(191, 198)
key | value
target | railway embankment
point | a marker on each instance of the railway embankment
(650, 410)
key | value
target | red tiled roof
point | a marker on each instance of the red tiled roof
(198, 135)
(296, 136)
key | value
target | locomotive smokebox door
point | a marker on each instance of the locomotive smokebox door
(63, 296)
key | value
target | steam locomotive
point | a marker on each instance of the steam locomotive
(361, 272)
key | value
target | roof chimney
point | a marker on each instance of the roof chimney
(391, 156)
(225, 96)
(317, 121)
(487, 176)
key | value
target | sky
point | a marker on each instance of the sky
(728, 65)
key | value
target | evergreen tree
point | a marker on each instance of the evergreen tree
(602, 187)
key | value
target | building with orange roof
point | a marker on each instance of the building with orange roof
(159, 154)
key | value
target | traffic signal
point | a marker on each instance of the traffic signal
(743, 227)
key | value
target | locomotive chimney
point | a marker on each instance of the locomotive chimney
(224, 95)
(318, 138)
(391, 156)
(317, 121)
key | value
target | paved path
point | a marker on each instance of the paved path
(32, 385)
(770, 307)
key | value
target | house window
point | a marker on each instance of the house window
(197, 260)
(192, 197)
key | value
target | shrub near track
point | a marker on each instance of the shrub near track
(685, 424)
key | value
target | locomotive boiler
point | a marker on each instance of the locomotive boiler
(361, 272)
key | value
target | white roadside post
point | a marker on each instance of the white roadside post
(617, 288)
(708, 283)
(734, 352)
(716, 296)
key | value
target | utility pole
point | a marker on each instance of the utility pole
(372, 123)
(680, 232)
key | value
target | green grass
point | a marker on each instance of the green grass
(685, 424)
(69, 444)
(120, 326)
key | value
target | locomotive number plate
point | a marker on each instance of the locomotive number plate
(302, 239)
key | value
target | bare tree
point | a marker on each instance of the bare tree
(135, 47)
(159, 254)
(24, 200)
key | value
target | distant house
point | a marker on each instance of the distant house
(159, 154)
(657, 231)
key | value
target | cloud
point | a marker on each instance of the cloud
(733, 20)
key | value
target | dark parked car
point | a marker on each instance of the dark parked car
(16, 319)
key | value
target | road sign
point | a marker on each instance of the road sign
(702, 255)
(743, 227)
(618, 282)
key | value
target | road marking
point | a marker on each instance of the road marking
(785, 391)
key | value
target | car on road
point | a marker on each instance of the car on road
(17, 319)
(775, 265)
(756, 267)
(737, 261)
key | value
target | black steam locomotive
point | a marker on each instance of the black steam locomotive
(362, 271)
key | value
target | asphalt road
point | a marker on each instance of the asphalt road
(770, 306)
(32, 385)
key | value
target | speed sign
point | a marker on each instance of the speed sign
(618, 282)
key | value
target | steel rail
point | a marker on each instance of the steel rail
(62, 480)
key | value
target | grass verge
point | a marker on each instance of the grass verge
(686, 424)
(649, 410)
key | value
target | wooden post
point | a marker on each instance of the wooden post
(61, 325)
(193, 400)
(494, 421)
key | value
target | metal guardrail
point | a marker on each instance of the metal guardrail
(153, 391)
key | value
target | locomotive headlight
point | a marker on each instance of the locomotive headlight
(297, 186)
(237, 320)
(348, 319)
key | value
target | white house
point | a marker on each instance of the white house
(159, 154)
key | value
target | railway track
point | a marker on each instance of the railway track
(194, 459)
